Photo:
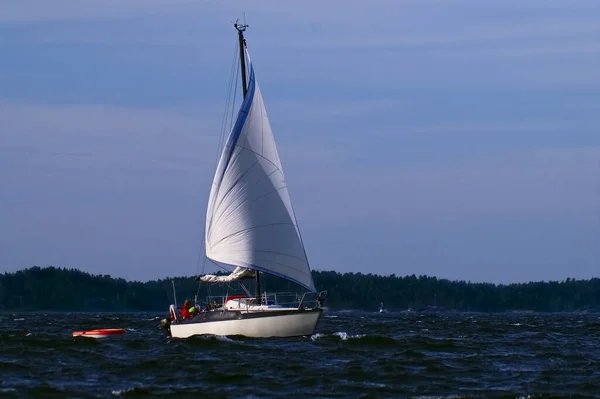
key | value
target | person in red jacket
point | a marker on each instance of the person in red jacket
(188, 310)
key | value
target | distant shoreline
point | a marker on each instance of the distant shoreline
(52, 289)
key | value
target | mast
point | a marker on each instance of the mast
(241, 28)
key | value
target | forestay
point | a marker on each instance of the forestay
(250, 221)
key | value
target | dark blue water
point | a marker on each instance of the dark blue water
(353, 354)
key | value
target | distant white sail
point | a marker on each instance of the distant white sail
(238, 274)
(250, 221)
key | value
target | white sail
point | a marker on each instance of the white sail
(250, 221)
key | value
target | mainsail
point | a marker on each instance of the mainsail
(250, 222)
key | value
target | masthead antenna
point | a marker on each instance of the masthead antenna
(240, 27)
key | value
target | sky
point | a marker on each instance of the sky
(457, 139)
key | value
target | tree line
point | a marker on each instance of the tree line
(61, 289)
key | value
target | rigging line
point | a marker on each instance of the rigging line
(221, 140)
(230, 89)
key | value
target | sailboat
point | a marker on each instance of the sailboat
(251, 225)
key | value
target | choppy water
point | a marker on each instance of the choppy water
(353, 354)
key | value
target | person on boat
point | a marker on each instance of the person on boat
(188, 309)
(211, 305)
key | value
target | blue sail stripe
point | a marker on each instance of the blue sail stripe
(240, 121)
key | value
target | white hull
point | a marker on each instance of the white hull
(284, 325)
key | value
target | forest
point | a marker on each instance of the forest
(60, 289)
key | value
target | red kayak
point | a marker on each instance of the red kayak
(99, 333)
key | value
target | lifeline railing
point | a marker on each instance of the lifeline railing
(272, 299)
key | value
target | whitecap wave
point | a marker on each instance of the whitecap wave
(344, 336)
